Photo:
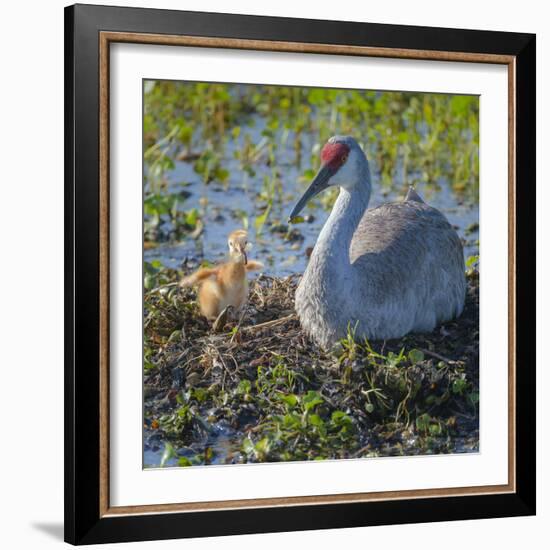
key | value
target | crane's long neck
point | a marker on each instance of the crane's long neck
(331, 253)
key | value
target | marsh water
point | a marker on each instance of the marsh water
(281, 247)
(207, 174)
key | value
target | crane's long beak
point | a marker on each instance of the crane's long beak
(320, 183)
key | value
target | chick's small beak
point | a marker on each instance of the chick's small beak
(242, 250)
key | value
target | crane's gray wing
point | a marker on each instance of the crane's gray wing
(400, 246)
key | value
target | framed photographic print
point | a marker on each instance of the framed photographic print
(299, 274)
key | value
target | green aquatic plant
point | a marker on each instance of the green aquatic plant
(168, 454)
(209, 166)
(472, 264)
(410, 136)
(159, 160)
(165, 218)
(299, 429)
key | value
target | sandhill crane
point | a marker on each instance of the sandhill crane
(384, 272)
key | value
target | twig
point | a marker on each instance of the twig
(358, 453)
(238, 326)
(437, 356)
(271, 323)
(327, 399)
(188, 156)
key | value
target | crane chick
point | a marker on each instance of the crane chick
(226, 284)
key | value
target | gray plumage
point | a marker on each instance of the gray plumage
(385, 272)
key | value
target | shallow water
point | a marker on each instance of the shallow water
(222, 208)
(221, 441)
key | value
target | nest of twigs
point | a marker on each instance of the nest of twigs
(261, 376)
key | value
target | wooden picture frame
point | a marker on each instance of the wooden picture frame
(89, 32)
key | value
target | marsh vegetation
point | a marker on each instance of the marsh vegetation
(219, 157)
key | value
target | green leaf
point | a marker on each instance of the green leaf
(284, 103)
(459, 386)
(200, 394)
(184, 462)
(311, 400)
(291, 400)
(315, 420)
(423, 422)
(474, 397)
(175, 336)
(435, 429)
(416, 356)
(394, 359)
(340, 418)
(262, 447)
(191, 217)
(147, 365)
(168, 454)
(244, 387)
(291, 420)
(182, 411)
(471, 261)
(248, 446)
(222, 174)
(261, 219)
